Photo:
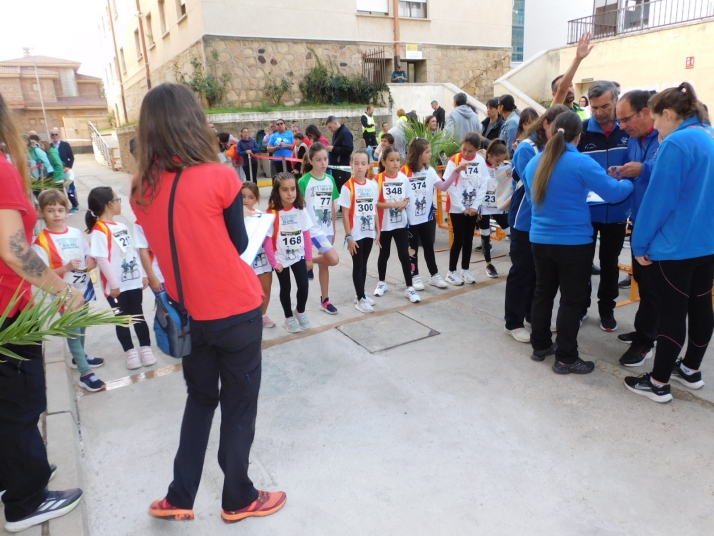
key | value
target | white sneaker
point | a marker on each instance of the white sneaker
(302, 319)
(417, 283)
(381, 289)
(291, 325)
(147, 356)
(363, 306)
(520, 334)
(437, 281)
(412, 295)
(468, 277)
(132, 359)
(454, 279)
(366, 296)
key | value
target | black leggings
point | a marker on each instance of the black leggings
(359, 265)
(422, 233)
(401, 239)
(684, 291)
(300, 272)
(129, 303)
(484, 225)
(463, 227)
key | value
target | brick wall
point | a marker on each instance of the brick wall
(89, 90)
(11, 90)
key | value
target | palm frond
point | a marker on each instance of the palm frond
(442, 141)
(48, 183)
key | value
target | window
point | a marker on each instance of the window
(33, 121)
(68, 83)
(110, 78)
(180, 8)
(35, 87)
(137, 44)
(415, 9)
(121, 60)
(149, 33)
(42, 121)
(162, 17)
(373, 6)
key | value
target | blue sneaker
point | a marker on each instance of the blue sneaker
(73, 210)
(326, 306)
(93, 362)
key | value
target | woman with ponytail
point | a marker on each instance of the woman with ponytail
(557, 183)
(674, 233)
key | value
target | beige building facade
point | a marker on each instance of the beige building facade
(464, 42)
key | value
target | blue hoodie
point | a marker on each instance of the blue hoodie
(607, 151)
(519, 216)
(642, 150)
(676, 217)
(564, 217)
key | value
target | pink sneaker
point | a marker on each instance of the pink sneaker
(147, 356)
(267, 322)
(132, 359)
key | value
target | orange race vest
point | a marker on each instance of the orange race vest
(46, 243)
(103, 227)
(456, 159)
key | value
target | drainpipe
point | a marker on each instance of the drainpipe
(143, 45)
(116, 63)
(397, 48)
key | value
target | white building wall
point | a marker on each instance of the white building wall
(546, 23)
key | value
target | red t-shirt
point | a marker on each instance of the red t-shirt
(14, 197)
(216, 282)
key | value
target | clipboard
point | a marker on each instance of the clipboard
(257, 228)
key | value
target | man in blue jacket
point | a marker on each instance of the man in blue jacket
(606, 143)
(635, 119)
(67, 157)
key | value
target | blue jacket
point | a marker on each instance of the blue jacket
(564, 217)
(607, 151)
(642, 150)
(247, 145)
(509, 129)
(676, 217)
(519, 215)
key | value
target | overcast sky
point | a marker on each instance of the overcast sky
(65, 29)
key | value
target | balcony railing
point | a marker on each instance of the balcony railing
(639, 16)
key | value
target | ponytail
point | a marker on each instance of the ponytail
(497, 147)
(566, 128)
(682, 100)
(315, 148)
(97, 202)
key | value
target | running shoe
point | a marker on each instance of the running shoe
(267, 322)
(636, 355)
(595, 270)
(520, 334)
(366, 297)
(165, 510)
(326, 306)
(626, 282)
(437, 281)
(147, 356)
(91, 383)
(579, 367)
(302, 319)
(411, 294)
(381, 289)
(74, 210)
(93, 362)
(643, 386)
(363, 306)
(479, 248)
(491, 271)
(467, 277)
(540, 355)
(56, 504)
(608, 323)
(417, 283)
(267, 503)
(291, 325)
(132, 359)
(454, 279)
(693, 380)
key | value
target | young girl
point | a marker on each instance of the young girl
(465, 195)
(123, 276)
(394, 197)
(291, 243)
(320, 191)
(265, 259)
(496, 155)
(358, 200)
(65, 250)
(299, 150)
(420, 214)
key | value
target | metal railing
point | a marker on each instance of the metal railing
(637, 16)
(374, 65)
(99, 143)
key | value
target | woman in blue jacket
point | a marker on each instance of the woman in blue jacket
(674, 233)
(557, 182)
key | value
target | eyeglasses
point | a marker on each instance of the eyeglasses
(279, 124)
(116, 199)
(626, 120)
(54, 135)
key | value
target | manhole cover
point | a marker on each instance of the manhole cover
(385, 332)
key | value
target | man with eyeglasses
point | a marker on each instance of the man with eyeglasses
(281, 145)
(67, 156)
(604, 141)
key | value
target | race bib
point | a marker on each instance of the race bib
(130, 270)
(261, 261)
(365, 207)
(395, 192)
(417, 183)
(291, 245)
(124, 240)
(77, 278)
(323, 209)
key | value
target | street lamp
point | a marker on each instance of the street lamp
(27, 50)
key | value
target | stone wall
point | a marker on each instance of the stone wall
(124, 134)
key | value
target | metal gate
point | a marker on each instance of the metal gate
(374, 65)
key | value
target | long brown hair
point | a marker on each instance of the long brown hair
(274, 202)
(537, 126)
(315, 148)
(528, 115)
(682, 100)
(389, 149)
(173, 134)
(416, 149)
(13, 145)
(566, 128)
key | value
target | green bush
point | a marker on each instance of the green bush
(208, 87)
(275, 89)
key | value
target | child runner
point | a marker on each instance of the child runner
(420, 214)
(65, 250)
(290, 241)
(262, 265)
(465, 195)
(394, 197)
(496, 155)
(320, 191)
(123, 277)
(358, 200)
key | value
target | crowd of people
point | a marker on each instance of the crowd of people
(638, 165)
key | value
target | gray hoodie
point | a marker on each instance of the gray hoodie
(462, 120)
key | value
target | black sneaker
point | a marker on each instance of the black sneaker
(693, 381)
(608, 323)
(540, 355)
(642, 385)
(56, 504)
(491, 271)
(479, 249)
(91, 383)
(579, 367)
(627, 338)
(626, 282)
(595, 270)
(636, 355)
(93, 362)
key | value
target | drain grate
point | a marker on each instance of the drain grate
(385, 332)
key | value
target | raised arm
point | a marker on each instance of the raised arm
(581, 52)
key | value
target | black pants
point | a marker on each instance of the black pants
(422, 233)
(24, 470)
(247, 168)
(484, 225)
(684, 290)
(359, 265)
(521, 281)
(129, 303)
(300, 272)
(567, 267)
(370, 139)
(276, 166)
(647, 317)
(463, 227)
(72, 195)
(612, 237)
(228, 351)
(401, 239)
(341, 178)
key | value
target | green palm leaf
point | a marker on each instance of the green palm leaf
(442, 141)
